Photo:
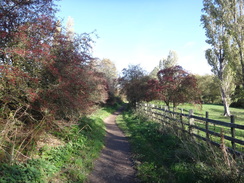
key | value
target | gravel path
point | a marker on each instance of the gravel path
(114, 164)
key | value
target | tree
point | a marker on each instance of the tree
(219, 55)
(70, 28)
(108, 68)
(134, 83)
(233, 21)
(16, 13)
(170, 61)
(45, 75)
(209, 89)
(177, 86)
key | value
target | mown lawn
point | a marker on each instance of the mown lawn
(215, 112)
(162, 156)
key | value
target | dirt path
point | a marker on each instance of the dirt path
(114, 164)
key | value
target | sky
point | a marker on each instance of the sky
(142, 32)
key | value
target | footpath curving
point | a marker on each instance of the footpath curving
(114, 164)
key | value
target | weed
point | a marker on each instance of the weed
(70, 162)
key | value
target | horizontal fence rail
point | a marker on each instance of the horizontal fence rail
(214, 132)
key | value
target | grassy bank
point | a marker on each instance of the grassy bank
(70, 162)
(162, 156)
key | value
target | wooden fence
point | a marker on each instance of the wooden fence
(212, 131)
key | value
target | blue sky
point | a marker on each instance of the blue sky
(142, 31)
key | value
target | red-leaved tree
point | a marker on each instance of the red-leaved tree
(177, 86)
(45, 75)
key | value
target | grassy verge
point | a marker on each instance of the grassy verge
(163, 156)
(70, 162)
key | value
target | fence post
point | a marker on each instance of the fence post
(206, 125)
(152, 114)
(181, 120)
(145, 108)
(166, 114)
(233, 134)
(191, 121)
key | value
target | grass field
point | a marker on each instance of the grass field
(215, 113)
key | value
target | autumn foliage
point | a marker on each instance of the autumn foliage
(45, 74)
(178, 86)
(173, 86)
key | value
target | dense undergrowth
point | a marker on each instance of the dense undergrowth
(70, 162)
(163, 155)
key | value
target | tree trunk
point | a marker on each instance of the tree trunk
(225, 102)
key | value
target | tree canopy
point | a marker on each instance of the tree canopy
(220, 21)
(46, 73)
(178, 86)
(173, 86)
(133, 83)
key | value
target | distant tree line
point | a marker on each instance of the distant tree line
(167, 82)
(170, 83)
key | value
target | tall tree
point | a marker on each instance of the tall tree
(108, 68)
(234, 22)
(170, 61)
(220, 41)
(70, 28)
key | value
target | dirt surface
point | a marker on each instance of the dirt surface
(114, 164)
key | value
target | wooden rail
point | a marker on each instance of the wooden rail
(191, 124)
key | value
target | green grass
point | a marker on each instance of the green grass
(216, 113)
(71, 162)
(161, 156)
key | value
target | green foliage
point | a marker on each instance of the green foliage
(71, 162)
(209, 88)
(134, 83)
(162, 156)
(19, 173)
(222, 21)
